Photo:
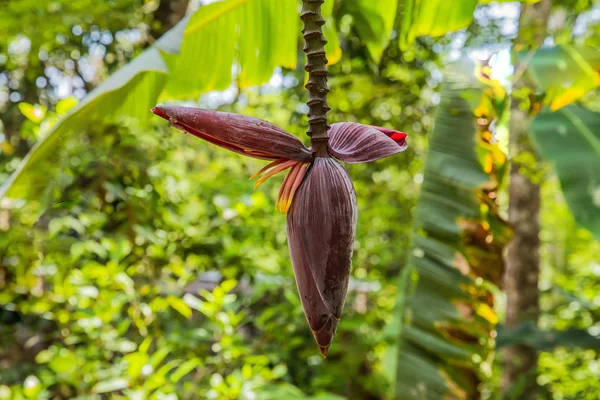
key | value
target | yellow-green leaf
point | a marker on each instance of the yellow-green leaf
(434, 18)
(241, 39)
(178, 304)
(33, 113)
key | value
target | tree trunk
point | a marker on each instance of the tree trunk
(522, 258)
(167, 15)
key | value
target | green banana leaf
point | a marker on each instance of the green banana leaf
(437, 17)
(564, 73)
(241, 39)
(446, 340)
(569, 139)
(434, 18)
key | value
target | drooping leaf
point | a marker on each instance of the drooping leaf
(447, 309)
(569, 139)
(129, 92)
(564, 73)
(134, 89)
(241, 39)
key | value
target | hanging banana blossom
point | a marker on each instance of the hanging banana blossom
(317, 194)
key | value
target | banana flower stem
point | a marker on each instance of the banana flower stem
(316, 66)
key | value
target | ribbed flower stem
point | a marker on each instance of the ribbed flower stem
(316, 66)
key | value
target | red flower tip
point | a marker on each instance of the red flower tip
(160, 112)
(396, 136)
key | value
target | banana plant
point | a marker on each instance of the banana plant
(447, 304)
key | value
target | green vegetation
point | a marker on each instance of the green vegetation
(137, 262)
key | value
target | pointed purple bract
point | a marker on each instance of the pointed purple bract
(356, 143)
(321, 228)
(249, 136)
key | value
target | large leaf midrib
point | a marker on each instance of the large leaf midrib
(586, 133)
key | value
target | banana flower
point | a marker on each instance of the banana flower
(317, 194)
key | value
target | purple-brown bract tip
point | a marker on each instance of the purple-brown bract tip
(160, 112)
(324, 351)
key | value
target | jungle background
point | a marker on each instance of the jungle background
(137, 262)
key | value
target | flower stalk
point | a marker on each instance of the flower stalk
(316, 66)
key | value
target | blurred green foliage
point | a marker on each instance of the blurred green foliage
(158, 273)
